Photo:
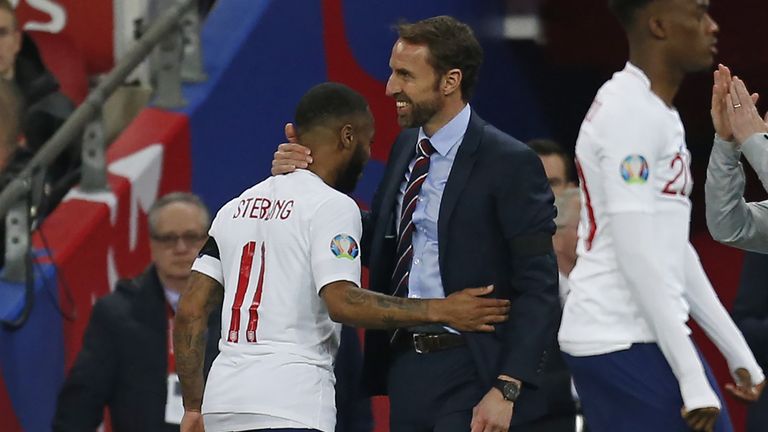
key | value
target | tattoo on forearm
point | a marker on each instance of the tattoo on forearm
(189, 345)
(214, 301)
(357, 297)
(392, 311)
(389, 320)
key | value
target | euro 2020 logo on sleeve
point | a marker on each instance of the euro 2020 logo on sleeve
(345, 246)
(634, 169)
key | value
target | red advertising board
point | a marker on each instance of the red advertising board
(88, 24)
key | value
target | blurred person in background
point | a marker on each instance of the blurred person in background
(555, 379)
(126, 362)
(12, 157)
(44, 107)
(558, 166)
(638, 279)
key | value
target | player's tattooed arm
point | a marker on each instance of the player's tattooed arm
(202, 295)
(465, 310)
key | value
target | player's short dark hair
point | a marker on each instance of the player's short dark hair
(327, 102)
(625, 10)
(452, 45)
(547, 147)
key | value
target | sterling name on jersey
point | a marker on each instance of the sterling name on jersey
(631, 156)
(273, 248)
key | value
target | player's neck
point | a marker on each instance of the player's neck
(665, 79)
(328, 174)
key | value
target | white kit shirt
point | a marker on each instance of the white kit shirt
(631, 157)
(278, 244)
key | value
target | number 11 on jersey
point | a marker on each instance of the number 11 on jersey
(246, 264)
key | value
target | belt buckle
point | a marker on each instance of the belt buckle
(417, 346)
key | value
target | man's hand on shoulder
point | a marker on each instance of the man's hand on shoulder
(291, 155)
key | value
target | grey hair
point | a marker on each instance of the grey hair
(177, 197)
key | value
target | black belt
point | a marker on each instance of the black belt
(424, 343)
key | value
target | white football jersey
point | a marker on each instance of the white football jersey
(276, 246)
(631, 156)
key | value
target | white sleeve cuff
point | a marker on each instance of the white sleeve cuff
(210, 267)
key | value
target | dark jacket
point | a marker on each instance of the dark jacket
(45, 109)
(750, 313)
(495, 227)
(123, 363)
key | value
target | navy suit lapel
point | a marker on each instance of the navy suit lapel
(457, 179)
(400, 158)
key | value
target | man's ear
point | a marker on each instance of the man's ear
(347, 136)
(657, 27)
(452, 81)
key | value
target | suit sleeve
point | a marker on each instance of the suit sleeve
(91, 381)
(526, 212)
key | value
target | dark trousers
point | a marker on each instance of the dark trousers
(757, 413)
(634, 391)
(434, 391)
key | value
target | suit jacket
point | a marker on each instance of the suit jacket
(495, 226)
(123, 363)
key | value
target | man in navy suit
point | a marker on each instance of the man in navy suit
(460, 204)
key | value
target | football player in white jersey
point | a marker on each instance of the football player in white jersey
(637, 277)
(283, 261)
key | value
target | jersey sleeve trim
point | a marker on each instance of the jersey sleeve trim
(210, 248)
(338, 277)
(210, 267)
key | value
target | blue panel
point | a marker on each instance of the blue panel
(32, 357)
(262, 57)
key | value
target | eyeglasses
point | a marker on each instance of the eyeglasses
(172, 239)
(6, 31)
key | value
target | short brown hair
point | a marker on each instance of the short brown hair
(452, 45)
(7, 6)
(548, 147)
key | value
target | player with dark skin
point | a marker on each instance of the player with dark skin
(669, 39)
(341, 148)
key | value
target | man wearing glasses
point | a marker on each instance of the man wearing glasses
(125, 362)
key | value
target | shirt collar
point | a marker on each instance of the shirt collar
(172, 297)
(638, 73)
(449, 135)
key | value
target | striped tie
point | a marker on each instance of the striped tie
(405, 234)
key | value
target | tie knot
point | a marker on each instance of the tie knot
(425, 148)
